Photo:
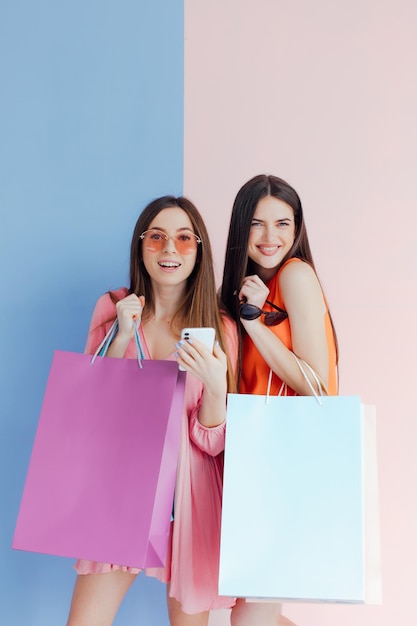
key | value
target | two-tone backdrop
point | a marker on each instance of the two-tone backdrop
(107, 105)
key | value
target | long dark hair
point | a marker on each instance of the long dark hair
(237, 263)
(199, 306)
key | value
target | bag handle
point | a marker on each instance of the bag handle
(282, 390)
(104, 346)
(301, 364)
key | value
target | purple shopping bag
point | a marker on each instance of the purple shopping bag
(101, 478)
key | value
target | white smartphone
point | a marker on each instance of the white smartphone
(205, 335)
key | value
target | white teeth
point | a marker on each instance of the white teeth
(169, 264)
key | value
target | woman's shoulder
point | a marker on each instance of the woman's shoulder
(106, 303)
(113, 296)
(297, 269)
(298, 279)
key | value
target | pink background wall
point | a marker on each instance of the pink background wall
(324, 95)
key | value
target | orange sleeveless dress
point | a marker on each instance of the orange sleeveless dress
(255, 371)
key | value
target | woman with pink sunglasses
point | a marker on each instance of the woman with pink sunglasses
(171, 287)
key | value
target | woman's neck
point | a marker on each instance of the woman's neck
(265, 274)
(159, 327)
(167, 300)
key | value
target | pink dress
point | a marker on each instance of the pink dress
(193, 556)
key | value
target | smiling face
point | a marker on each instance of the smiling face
(168, 265)
(271, 235)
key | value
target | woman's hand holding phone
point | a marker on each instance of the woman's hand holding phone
(208, 363)
(204, 336)
(200, 355)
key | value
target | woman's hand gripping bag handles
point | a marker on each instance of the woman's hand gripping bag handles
(300, 516)
(101, 478)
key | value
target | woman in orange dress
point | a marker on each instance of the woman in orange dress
(271, 289)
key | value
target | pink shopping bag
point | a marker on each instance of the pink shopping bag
(101, 477)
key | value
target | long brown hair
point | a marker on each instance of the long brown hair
(199, 306)
(237, 263)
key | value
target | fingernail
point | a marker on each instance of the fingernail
(190, 340)
(177, 345)
(176, 355)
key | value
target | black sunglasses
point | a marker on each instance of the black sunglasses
(272, 318)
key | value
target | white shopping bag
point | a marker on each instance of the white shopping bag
(300, 514)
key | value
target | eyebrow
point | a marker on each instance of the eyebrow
(280, 219)
(182, 229)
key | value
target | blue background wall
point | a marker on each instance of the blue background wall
(91, 129)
